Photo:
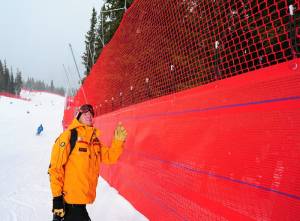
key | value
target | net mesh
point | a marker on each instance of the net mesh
(163, 47)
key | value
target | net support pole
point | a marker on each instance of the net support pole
(78, 73)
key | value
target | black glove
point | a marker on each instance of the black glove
(58, 206)
(57, 218)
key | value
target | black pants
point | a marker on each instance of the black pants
(76, 213)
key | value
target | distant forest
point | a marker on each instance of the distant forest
(13, 83)
(103, 25)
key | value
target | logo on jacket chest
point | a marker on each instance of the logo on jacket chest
(82, 149)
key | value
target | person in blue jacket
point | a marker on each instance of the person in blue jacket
(39, 130)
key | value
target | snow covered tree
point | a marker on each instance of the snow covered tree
(89, 54)
(109, 19)
(1, 77)
(5, 78)
(52, 86)
(18, 82)
(11, 83)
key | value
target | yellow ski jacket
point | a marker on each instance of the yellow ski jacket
(75, 175)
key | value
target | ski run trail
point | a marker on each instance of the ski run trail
(24, 159)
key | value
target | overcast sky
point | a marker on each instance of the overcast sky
(34, 36)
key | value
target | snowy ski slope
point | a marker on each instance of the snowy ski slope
(24, 184)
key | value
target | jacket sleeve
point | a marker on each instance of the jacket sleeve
(111, 154)
(59, 157)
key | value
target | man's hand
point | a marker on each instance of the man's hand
(120, 133)
(59, 212)
(58, 206)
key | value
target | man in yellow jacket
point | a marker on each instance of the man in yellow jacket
(74, 172)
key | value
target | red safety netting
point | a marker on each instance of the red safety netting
(221, 147)
(226, 151)
(162, 47)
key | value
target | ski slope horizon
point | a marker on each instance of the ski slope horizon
(25, 190)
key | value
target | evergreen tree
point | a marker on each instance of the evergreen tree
(99, 40)
(52, 86)
(8, 83)
(60, 91)
(1, 77)
(89, 54)
(18, 83)
(5, 78)
(109, 20)
(112, 18)
(32, 84)
(11, 84)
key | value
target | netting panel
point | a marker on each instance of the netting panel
(162, 47)
(228, 150)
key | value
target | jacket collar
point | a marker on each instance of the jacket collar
(75, 123)
(89, 130)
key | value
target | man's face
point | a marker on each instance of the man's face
(86, 118)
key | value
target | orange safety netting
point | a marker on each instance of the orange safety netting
(162, 47)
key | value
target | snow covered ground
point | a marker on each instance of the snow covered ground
(24, 184)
